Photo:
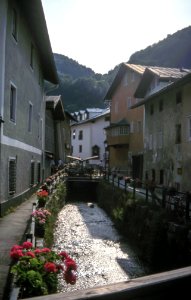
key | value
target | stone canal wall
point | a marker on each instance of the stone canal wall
(160, 241)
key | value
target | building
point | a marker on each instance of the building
(25, 61)
(167, 133)
(125, 132)
(88, 137)
(57, 133)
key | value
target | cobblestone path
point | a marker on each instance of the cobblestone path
(89, 237)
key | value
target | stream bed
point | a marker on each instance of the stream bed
(86, 233)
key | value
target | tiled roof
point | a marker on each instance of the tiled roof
(169, 72)
(137, 68)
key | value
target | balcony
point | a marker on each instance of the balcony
(118, 140)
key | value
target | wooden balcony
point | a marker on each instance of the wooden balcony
(118, 140)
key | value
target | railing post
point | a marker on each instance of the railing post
(147, 193)
(164, 191)
(187, 206)
(134, 186)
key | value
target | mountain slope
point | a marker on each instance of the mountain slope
(81, 87)
(173, 51)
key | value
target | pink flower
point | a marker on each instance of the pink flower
(70, 277)
(27, 245)
(50, 267)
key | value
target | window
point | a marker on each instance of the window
(40, 128)
(178, 97)
(139, 126)
(14, 24)
(30, 118)
(160, 139)
(116, 107)
(95, 151)
(161, 105)
(12, 176)
(32, 56)
(161, 179)
(153, 176)
(74, 134)
(150, 142)
(125, 80)
(151, 109)
(13, 104)
(189, 128)
(129, 102)
(80, 148)
(80, 136)
(123, 130)
(178, 134)
(38, 172)
(32, 173)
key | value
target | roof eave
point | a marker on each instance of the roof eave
(36, 22)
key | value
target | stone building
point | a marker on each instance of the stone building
(167, 127)
(26, 60)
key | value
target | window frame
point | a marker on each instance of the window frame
(11, 190)
(30, 117)
(13, 103)
(14, 25)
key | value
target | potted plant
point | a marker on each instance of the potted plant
(40, 216)
(36, 270)
(42, 196)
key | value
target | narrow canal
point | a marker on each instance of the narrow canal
(90, 238)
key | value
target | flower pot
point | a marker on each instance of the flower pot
(39, 230)
(41, 202)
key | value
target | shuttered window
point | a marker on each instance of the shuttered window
(12, 176)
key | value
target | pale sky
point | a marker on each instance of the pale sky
(101, 34)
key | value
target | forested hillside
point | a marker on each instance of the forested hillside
(81, 87)
(174, 51)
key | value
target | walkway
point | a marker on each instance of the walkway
(12, 229)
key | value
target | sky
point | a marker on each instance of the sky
(101, 34)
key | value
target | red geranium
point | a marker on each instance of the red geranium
(50, 267)
(70, 277)
(16, 254)
(27, 245)
(70, 264)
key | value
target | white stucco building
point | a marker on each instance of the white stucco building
(88, 136)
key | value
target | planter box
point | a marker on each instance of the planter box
(39, 230)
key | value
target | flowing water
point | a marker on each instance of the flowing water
(90, 238)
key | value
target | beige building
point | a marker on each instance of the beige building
(125, 132)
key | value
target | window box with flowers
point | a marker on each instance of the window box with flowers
(36, 270)
(40, 216)
(42, 197)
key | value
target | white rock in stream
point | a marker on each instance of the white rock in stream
(89, 237)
